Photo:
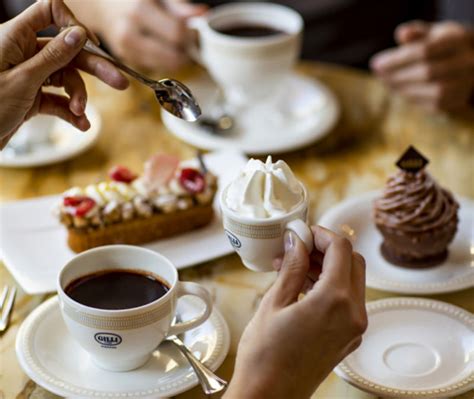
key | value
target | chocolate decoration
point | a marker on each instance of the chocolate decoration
(412, 161)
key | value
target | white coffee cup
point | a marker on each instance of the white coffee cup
(248, 68)
(121, 340)
(259, 241)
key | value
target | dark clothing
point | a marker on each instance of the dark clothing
(346, 31)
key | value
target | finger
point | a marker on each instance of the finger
(184, 9)
(292, 275)
(277, 262)
(410, 31)
(96, 66)
(74, 86)
(52, 104)
(447, 94)
(44, 13)
(433, 47)
(56, 54)
(358, 278)
(450, 67)
(337, 261)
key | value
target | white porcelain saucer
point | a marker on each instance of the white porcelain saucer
(67, 142)
(305, 112)
(413, 348)
(353, 218)
(51, 358)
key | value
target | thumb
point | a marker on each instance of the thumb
(411, 31)
(58, 53)
(294, 268)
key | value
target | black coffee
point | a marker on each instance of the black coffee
(250, 31)
(116, 289)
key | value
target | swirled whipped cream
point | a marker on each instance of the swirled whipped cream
(414, 203)
(264, 190)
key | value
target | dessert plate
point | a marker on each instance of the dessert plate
(67, 142)
(305, 112)
(34, 248)
(54, 360)
(353, 218)
(413, 348)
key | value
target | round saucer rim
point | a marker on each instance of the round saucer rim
(89, 139)
(219, 143)
(453, 285)
(344, 371)
(187, 383)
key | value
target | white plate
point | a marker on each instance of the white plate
(413, 348)
(54, 360)
(68, 142)
(307, 112)
(353, 218)
(34, 247)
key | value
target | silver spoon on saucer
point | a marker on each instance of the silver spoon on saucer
(173, 96)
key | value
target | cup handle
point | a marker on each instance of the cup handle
(302, 230)
(192, 48)
(188, 288)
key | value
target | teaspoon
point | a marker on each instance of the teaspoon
(173, 96)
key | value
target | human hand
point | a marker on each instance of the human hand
(290, 346)
(148, 34)
(433, 65)
(27, 63)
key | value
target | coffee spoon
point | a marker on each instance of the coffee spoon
(173, 96)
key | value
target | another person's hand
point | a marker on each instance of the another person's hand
(432, 66)
(27, 64)
(149, 34)
(291, 345)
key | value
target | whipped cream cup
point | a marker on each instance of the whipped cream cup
(256, 228)
(122, 340)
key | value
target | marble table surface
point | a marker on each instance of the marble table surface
(356, 157)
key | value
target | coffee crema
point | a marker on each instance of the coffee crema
(248, 30)
(116, 289)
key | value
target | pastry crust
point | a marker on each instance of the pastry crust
(140, 230)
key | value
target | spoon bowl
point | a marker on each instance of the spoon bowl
(177, 99)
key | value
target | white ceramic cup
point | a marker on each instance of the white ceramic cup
(259, 241)
(121, 340)
(248, 68)
(35, 131)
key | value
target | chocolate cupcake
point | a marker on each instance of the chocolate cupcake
(417, 218)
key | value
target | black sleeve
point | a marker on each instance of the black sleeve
(456, 10)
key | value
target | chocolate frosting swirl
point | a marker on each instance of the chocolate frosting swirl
(414, 203)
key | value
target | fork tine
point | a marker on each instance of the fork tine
(8, 308)
(3, 296)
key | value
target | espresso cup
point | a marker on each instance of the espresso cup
(259, 241)
(36, 131)
(121, 340)
(248, 69)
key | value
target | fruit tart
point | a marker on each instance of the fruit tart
(169, 198)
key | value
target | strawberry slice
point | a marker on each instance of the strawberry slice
(81, 204)
(192, 180)
(122, 174)
(160, 169)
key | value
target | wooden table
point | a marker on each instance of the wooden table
(357, 157)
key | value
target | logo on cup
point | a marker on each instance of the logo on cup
(108, 340)
(234, 241)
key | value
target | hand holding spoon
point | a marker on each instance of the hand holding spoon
(173, 96)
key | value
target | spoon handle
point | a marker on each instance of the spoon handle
(210, 382)
(94, 49)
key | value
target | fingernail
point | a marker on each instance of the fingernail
(289, 241)
(74, 36)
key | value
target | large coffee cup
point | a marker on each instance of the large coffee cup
(124, 339)
(248, 68)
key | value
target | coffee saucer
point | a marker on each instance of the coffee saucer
(305, 112)
(55, 361)
(353, 218)
(66, 142)
(413, 348)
